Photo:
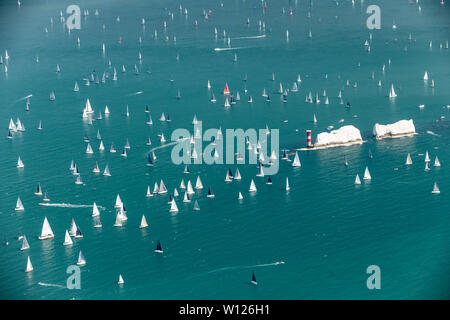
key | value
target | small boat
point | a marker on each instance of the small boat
(252, 186)
(240, 197)
(81, 260)
(357, 179)
(427, 157)
(149, 192)
(210, 193)
(19, 205)
(436, 189)
(392, 93)
(73, 228)
(78, 233)
(120, 280)
(436, 162)
(173, 207)
(367, 175)
(29, 265)
(159, 248)
(287, 184)
(106, 172)
(95, 211)
(118, 222)
(198, 184)
(196, 206)
(25, 245)
(190, 190)
(237, 175)
(408, 159)
(144, 223)
(162, 188)
(38, 191)
(46, 198)
(20, 163)
(47, 232)
(254, 282)
(67, 239)
(296, 162)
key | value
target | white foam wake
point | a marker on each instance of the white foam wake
(28, 96)
(432, 133)
(69, 205)
(136, 93)
(250, 37)
(51, 285)
(226, 49)
(167, 144)
(248, 267)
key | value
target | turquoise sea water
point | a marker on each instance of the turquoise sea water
(326, 230)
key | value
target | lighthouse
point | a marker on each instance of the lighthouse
(308, 139)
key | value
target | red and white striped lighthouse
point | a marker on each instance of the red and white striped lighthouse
(308, 139)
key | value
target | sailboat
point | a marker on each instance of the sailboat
(427, 157)
(237, 175)
(29, 265)
(52, 96)
(38, 191)
(78, 180)
(173, 207)
(95, 211)
(67, 239)
(89, 149)
(20, 163)
(46, 198)
(436, 189)
(436, 162)
(162, 188)
(392, 93)
(408, 160)
(149, 192)
(425, 76)
(287, 184)
(159, 248)
(40, 125)
(254, 282)
(47, 232)
(296, 162)
(106, 171)
(240, 197)
(210, 193)
(186, 198)
(252, 186)
(25, 245)
(367, 175)
(81, 260)
(357, 179)
(73, 228)
(190, 190)
(144, 223)
(118, 222)
(198, 184)
(19, 205)
(101, 147)
(120, 280)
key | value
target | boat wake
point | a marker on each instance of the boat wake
(167, 145)
(432, 133)
(51, 285)
(227, 49)
(135, 93)
(28, 96)
(69, 205)
(250, 37)
(248, 267)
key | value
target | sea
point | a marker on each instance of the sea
(316, 241)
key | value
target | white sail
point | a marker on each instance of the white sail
(436, 162)
(367, 175)
(29, 265)
(296, 162)
(287, 184)
(173, 207)
(120, 280)
(162, 187)
(89, 149)
(88, 107)
(25, 245)
(106, 111)
(427, 157)
(118, 202)
(144, 223)
(425, 76)
(81, 260)
(436, 189)
(392, 93)
(67, 239)
(237, 175)
(186, 198)
(357, 179)
(76, 88)
(73, 228)
(408, 160)
(149, 192)
(95, 211)
(198, 184)
(182, 185)
(240, 197)
(190, 190)
(252, 186)
(19, 205)
(20, 163)
(118, 222)
(47, 232)
(106, 171)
